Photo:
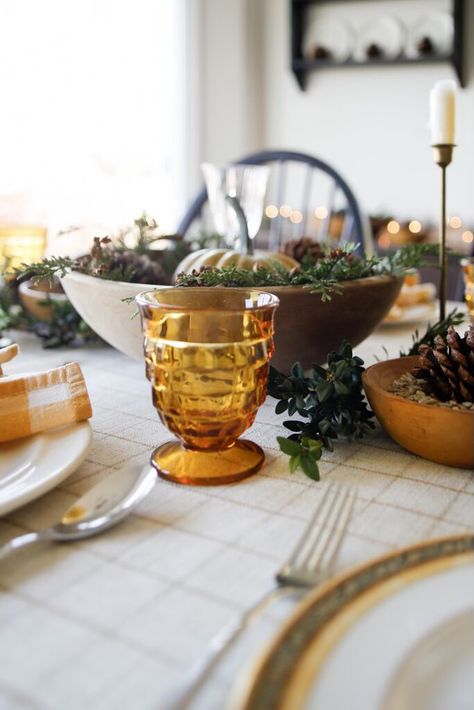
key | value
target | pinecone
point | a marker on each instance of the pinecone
(123, 266)
(137, 268)
(303, 248)
(447, 368)
(338, 254)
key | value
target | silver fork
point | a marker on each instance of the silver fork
(309, 565)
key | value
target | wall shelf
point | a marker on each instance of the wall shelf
(302, 65)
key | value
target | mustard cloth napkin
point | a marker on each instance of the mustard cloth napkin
(36, 402)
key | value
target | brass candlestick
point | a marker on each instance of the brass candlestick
(442, 155)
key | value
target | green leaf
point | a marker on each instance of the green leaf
(297, 370)
(289, 447)
(294, 426)
(281, 406)
(299, 401)
(309, 466)
(320, 371)
(340, 388)
(324, 390)
(294, 463)
(340, 368)
(315, 446)
(345, 350)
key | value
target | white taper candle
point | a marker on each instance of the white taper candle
(442, 112)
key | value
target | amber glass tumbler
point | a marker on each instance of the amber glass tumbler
(207, 354)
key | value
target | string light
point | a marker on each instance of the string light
(455, 222)
(296, 217)
(467, 236)
(414, 226)
(285, 210)
(321, 212)
(393, 227)
(384, 241)
(271, 211)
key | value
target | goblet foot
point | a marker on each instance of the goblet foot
(207, 468)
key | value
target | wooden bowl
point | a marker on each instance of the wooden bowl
(436, 433)
(34, 299)
(306, 328)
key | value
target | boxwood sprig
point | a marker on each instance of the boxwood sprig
(327, 404)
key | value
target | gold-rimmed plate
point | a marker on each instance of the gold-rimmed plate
(346, 644)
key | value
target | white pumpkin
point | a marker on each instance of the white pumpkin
(219, 258)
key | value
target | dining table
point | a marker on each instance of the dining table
(117, 620)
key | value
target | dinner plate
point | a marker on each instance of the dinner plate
(351, 643)
(413, 314)
(32, 466)
(438, 27)
(437, 673)
(385, 31)
(333, 34)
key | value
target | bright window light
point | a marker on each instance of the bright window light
(88, 125)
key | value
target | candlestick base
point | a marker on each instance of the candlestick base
(443, 153)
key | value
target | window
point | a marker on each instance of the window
(89, 125)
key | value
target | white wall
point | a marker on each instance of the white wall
(370, 123)
(232, 106)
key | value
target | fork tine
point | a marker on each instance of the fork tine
(311, 527)
(322, 534)
(322, 523)
(331, 536)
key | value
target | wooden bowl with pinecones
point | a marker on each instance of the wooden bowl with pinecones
(426, 402)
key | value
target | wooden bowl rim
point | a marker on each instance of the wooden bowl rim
(349, 283)
(26, 290)
(410, 361)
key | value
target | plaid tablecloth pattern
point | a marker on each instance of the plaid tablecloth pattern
(115, 621)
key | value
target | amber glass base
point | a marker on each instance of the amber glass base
(207, 468)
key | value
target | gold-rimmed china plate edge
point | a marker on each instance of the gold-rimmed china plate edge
(287, 673)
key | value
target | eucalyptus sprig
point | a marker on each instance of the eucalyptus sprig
(329, 405)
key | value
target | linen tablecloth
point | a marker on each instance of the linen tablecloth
(115, 621)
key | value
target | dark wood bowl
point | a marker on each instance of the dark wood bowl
(307, 329)
(436, 433)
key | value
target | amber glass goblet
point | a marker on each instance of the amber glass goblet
(207, 354)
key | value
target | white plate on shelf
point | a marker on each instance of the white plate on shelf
(351, 643)
(31, 466)
(385, 31)
(334, 35)
(438, 26)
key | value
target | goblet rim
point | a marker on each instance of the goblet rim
(252, 299)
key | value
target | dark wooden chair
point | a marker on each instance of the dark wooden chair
(301, 184)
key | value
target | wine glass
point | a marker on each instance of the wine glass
(207, 354)
(248, 183)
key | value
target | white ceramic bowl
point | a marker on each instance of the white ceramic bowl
(100, 303)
